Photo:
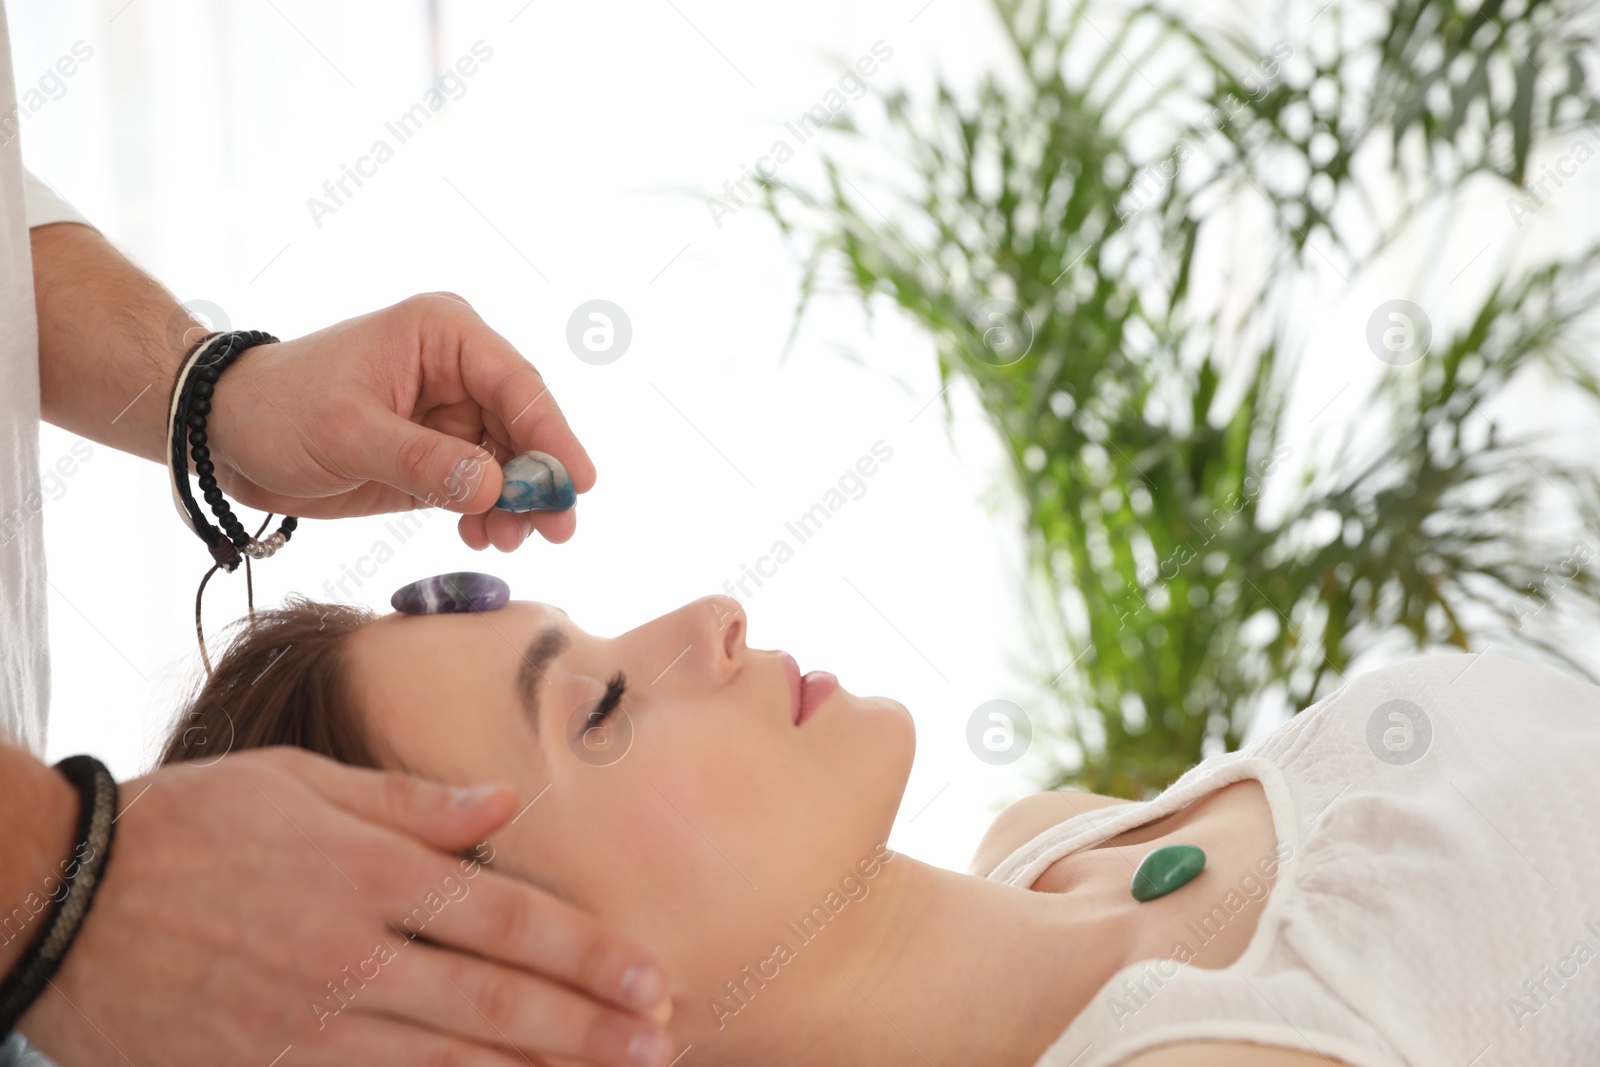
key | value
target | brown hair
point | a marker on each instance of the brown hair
(280, 681)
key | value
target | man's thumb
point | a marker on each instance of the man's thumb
(440, 470)
(446, 817)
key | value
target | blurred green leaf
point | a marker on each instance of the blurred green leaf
(1142, 427)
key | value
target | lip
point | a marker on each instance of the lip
(797, 686)
(806, 692)
(816, 687)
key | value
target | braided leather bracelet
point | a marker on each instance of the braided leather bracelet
(82, 874)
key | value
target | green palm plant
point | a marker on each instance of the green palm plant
(1056, 259)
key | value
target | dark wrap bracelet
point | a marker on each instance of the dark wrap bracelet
(190, 407)
(82, 874)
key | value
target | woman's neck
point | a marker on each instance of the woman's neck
(932, 966)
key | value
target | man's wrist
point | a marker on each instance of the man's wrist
(40, 807)
(232, 396)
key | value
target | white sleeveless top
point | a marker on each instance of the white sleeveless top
(1437, 903)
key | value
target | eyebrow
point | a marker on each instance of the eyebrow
(546, 645)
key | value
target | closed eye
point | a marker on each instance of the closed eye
(615, 688)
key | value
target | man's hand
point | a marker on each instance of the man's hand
(269, 902)
(381, 413)
(386, 411)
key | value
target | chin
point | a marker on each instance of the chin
(894, 736)
(878, 715)
(898, 716)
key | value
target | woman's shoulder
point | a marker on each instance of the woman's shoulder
(1465, 675)
(1027, 818)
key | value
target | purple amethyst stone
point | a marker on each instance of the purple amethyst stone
(457, 591)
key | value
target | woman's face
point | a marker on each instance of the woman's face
(699, 818)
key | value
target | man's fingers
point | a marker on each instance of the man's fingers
(503, 530)
(438, 468)
(353, 1039)
(497, 377)
(493, 438)
(496, 1005)
(512, 922)
(524, 926)
(507, 531)
(444, 817)
(473, 534)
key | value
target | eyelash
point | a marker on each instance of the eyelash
(615, 688)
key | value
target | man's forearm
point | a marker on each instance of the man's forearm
(110, 340)
(38, 814)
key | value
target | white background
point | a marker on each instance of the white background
(575, 167)
(194, 136)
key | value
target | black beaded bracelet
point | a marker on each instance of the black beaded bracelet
(190, 405)
(82, 875)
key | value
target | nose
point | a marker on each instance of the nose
(727, 617)
(718, 622)
(704, 640)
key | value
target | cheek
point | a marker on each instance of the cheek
(691, 811)
(688, 841)
(631, 846)
(702, 840)
(774, 807)
(641, 851)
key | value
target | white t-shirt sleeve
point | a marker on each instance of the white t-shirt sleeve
(45, 205)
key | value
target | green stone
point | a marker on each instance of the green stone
(1167, 868)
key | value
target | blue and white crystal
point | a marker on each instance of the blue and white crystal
(446, 593)
(536, 481)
